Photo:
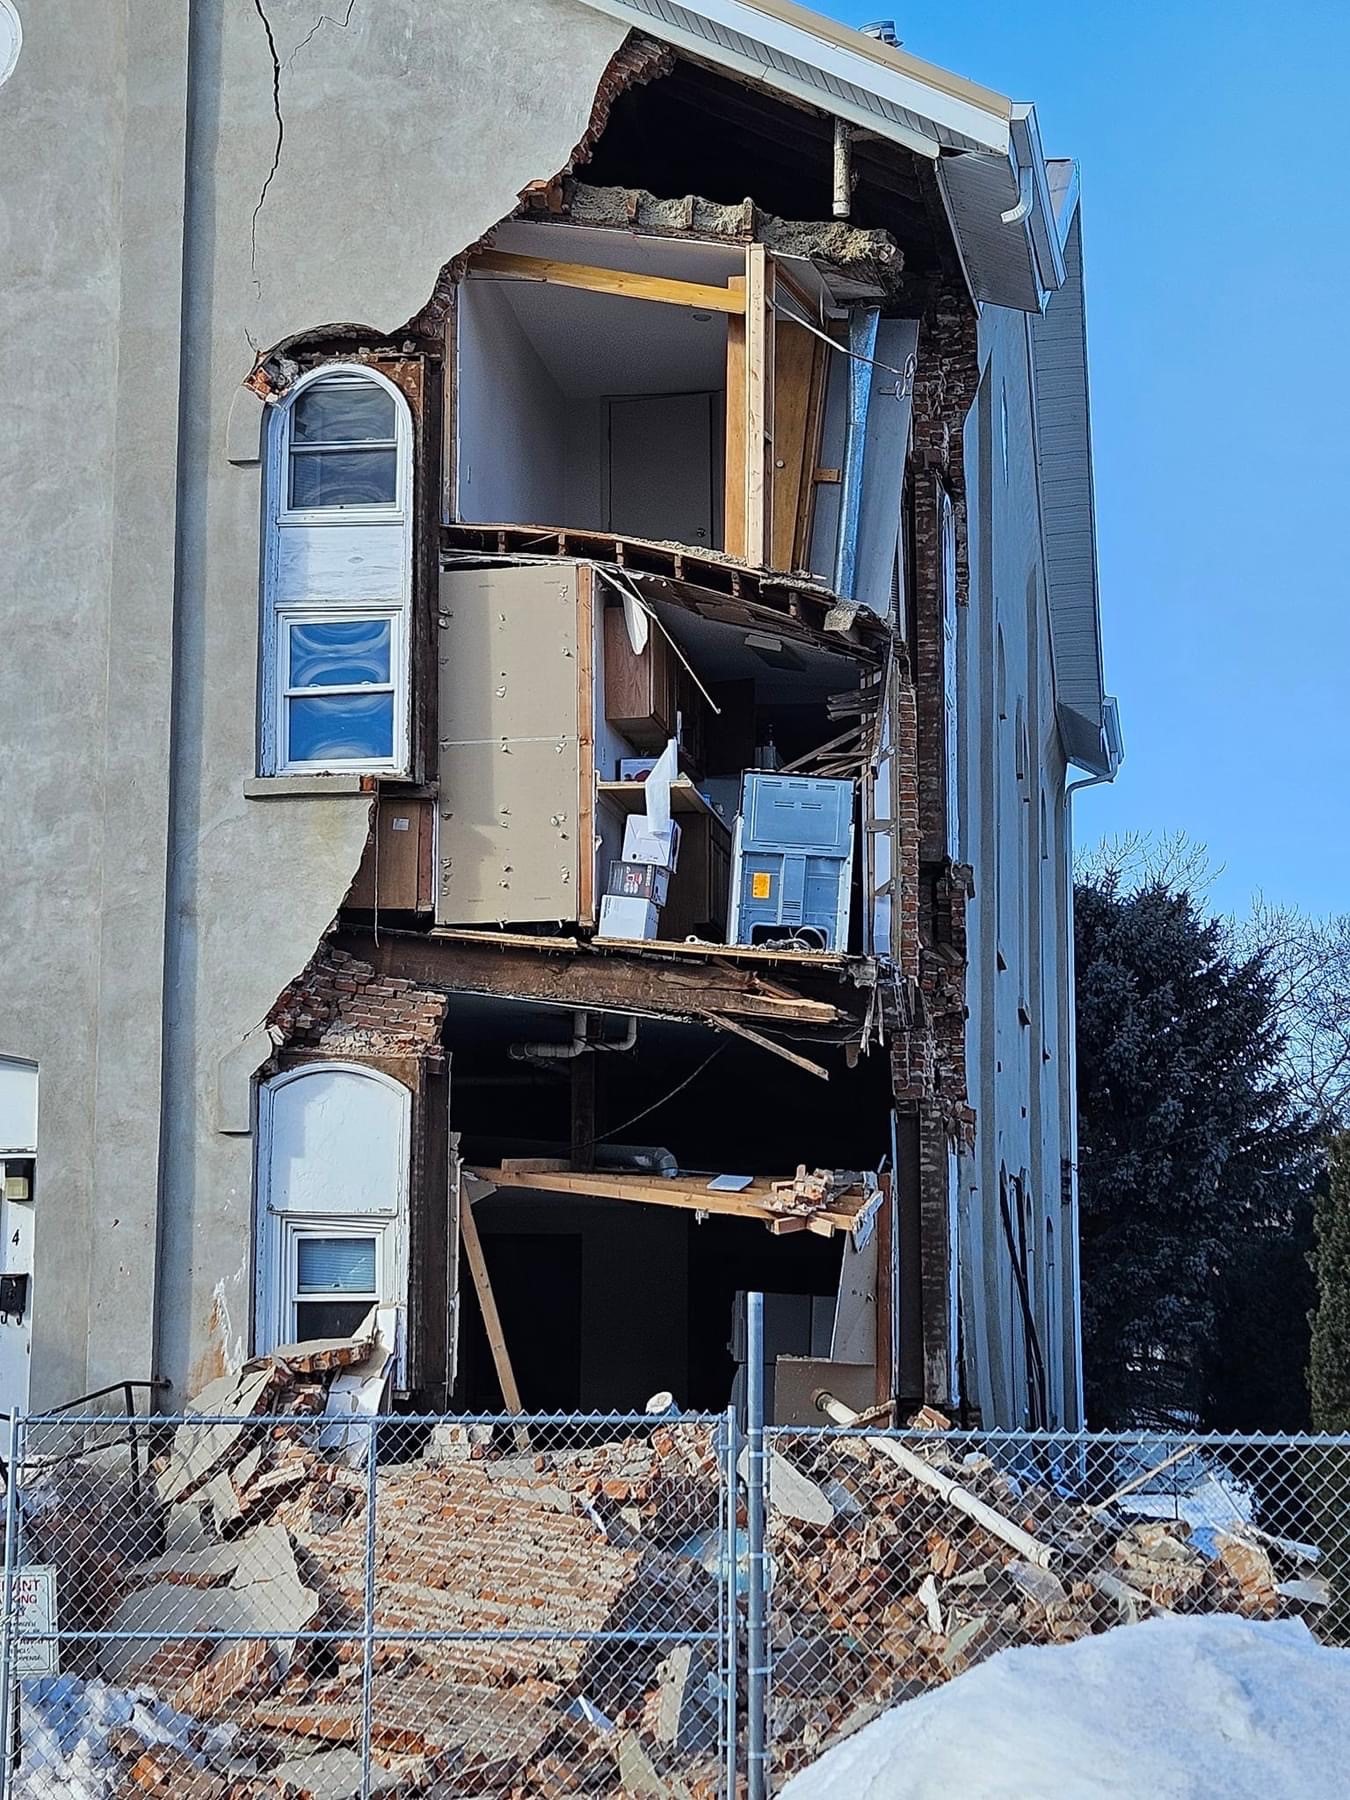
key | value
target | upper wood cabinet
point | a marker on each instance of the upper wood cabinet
(641, 687)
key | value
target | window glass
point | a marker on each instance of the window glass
(329, 1318)
(341, 1265)
(339, 652)
(321, 478)
(343, 412)
(340, 728)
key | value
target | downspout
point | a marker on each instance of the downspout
(1078, 1421)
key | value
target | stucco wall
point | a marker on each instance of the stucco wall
(144, 268)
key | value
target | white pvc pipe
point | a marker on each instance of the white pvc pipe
(954, 1495)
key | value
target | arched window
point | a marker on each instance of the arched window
(338, 576)
(332, 1213)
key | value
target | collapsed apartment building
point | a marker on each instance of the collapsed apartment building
(590, 530)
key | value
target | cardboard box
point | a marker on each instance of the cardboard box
(622, 917)
(636, 768)
(639, 881)
(643, 845)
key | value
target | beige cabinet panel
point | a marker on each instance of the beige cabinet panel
(510, 758)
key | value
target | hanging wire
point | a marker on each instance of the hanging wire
(905, 383)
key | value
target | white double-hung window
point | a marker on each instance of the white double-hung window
(338, 580)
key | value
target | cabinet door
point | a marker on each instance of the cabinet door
(639, 685)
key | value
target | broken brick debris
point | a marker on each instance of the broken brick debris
(512, 1548)
(900, 1593)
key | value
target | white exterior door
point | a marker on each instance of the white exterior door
(333, 1169)
(18, 1197)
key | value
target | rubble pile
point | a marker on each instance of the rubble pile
(254, 1525)
(898, 1591)
(226, 1594)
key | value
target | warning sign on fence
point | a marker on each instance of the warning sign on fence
(36, 1651)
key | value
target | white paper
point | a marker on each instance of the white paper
(657, 787)
(729, 1184)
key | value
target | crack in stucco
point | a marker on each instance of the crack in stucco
(281, 133)
(322, 20)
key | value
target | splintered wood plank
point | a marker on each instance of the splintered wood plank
(688, 1193)
(702, 295)
(764, 1043)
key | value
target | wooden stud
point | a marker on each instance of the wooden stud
(487, 1305)
(794, 361)
(759, 335)
(734, 448)
(629, 286)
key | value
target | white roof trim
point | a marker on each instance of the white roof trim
(889, 96)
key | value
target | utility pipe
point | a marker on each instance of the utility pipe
(961, 1499)
(843, 169)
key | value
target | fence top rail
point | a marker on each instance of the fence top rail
(1143, 1434)
(376, 1421)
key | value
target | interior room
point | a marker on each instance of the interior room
(594, 410)
(604, 1302)
(738, 699)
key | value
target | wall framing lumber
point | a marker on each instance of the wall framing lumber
(699, 294)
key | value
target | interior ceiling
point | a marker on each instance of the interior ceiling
(679, 259)
(720, 652)
(602, 344)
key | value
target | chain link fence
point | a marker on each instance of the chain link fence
(312, 1608)
(308, 1608)
(896, 1560)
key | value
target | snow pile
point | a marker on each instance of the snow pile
(1173, 1709)
(68, 1726)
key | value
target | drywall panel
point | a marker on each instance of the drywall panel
(510, 759)
(512, 417)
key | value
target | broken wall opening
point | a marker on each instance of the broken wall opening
(605, 1301)
(599, 410)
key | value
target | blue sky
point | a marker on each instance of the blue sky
(1217, 244)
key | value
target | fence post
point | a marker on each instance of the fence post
(368, 1609)
(730, 1601)
(8, 1711)
(757, 1637)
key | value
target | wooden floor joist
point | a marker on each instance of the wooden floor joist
(561, 972)
(689, 1193)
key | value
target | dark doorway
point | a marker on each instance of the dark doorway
(536, 1279)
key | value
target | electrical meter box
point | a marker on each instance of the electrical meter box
(792, 862)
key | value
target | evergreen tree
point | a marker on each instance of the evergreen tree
(1192, 1156)
(1329, 1363)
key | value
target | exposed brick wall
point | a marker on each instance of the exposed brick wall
(929, 1069)
(339, 1006)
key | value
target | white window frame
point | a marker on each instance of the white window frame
(282, 609)
(278, 1228)
(295, 1227)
